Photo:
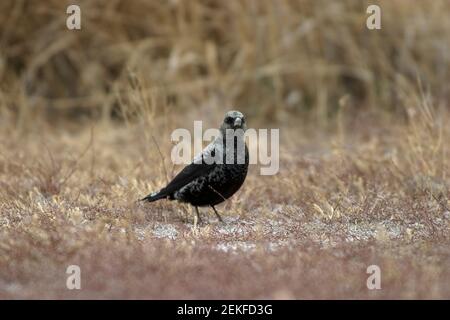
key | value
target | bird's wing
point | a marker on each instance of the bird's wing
(200, 166)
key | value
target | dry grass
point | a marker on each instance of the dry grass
(364, 148)
(274, 59)
(309, 232)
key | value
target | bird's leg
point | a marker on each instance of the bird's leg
(198, 215)
(217, 214)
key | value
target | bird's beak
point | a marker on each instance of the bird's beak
(237, 122)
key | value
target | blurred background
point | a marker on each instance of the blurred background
(85, 123)
(277, 61)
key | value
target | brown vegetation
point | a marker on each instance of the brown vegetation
(363, 149)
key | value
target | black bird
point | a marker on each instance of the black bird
(216, 173)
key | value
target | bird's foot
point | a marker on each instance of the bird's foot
(218, 215)
(221, 221)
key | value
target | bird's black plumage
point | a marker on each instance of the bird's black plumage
(205, 182)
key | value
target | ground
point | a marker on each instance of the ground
(372, 194)
(86, 118)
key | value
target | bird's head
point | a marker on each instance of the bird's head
(233, 120)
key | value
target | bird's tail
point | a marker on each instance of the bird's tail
(154, 196)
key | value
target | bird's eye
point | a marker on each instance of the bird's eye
(229, 120)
